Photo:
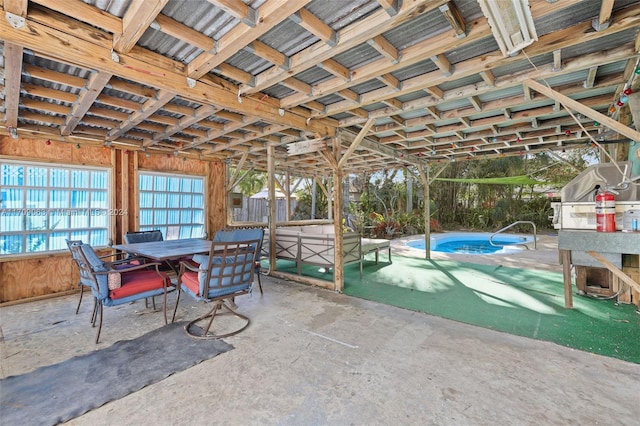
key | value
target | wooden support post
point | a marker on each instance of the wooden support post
(271, 164)
(565, 256)
(424, 177)
(338, 271)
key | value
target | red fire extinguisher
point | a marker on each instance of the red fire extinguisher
(605, 211)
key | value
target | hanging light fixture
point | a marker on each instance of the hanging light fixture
(511, 23)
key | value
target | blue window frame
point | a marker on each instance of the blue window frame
(172, 203)
(42, 205)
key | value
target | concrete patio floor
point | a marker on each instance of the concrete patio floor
(313, 357)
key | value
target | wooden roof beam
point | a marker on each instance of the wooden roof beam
(392, 7)
(86, 13)
(629, 17)
(557, 60)
(390, 81)
(238, 10)
(236, 74)
(475, 102)
(591, 77)
(54, 76)
(149, 108)
(49, 93)
(12, 79)
(184, 33)
(488, 77)
(138, 17)
(385, 48)
(200, 114)
(315, 26)
(96, 82)
(603, 20)
(443, 63)
(297, 85)
(351, 36)
(454, 17)
(270, 14)
(337, 69)
(591, 113)
(435, 91)
(270, 54)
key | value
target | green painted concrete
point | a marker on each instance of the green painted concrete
(523, 302)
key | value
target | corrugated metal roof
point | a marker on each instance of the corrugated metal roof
(339, 14)
(289, 38)
(423, 27)
(358, 56)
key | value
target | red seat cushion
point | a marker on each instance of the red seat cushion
(190, 280)
(138, 282)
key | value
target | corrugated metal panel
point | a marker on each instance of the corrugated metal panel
(469, 10)
(466, 81)
(289, 38)
(114, 7)
(368, 86)
(339, 14)
(502, 93)
(580, 12)
(169, 46)
(600, 44)
(414, 31)
(249, 62)
(278, 91)
(412, 96)
(473, 50)
(54, 66)
(330, 99)
(415, 70)
(522, 65)
(314, 75)
(358, 56)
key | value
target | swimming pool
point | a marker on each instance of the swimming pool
(473, 243)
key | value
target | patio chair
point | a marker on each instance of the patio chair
(226, 272)
(74, 255)
(243, 235)
(113, 286)
(77, 260)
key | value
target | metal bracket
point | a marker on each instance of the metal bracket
(16, 21)
(191, 82)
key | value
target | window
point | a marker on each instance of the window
(174, 204)
(41, 205)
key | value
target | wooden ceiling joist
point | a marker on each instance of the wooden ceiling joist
(96, 82)
(139, 16)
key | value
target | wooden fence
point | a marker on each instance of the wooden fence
(257, 210)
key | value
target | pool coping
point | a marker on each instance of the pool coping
(544, 258)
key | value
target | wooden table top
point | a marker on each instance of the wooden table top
(169, 249)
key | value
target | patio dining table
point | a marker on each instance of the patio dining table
(166, 250)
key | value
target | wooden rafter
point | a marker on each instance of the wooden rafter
(356, 142)
(53, 41)
(140, 14)
(238, 10)
(12, 78)
(88, 95)
(315, 26)
(271, 13)
(595, 115)
(452, 15)
(420, 51)
(200, 114)
(360, 32)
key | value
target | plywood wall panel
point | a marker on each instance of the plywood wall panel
(171, 163)
(33, 277)
(56, 151)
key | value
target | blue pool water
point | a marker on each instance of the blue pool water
(472, 243)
